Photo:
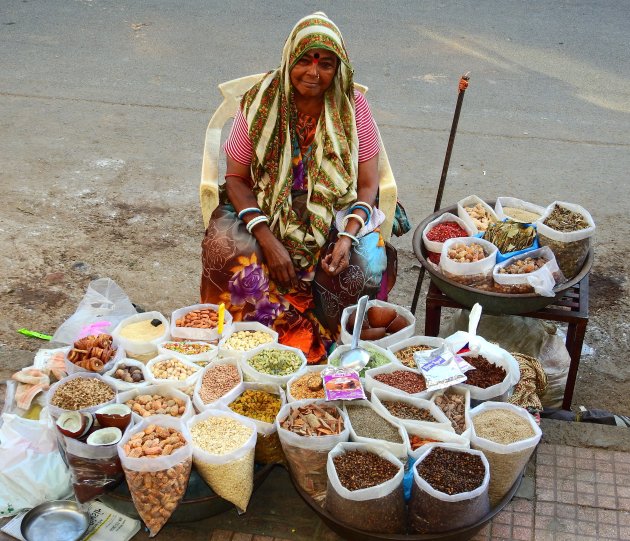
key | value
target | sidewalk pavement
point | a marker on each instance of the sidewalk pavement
(577, 487)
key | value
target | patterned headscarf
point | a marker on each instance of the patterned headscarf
(332, 171)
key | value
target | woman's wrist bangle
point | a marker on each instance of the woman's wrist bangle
(249, 210)
(366, 205)
(354, 240)
(348, 217)
(254, 222)
(368, 213)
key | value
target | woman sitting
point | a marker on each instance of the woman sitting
(295, 238)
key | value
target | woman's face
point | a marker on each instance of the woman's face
(314, 72)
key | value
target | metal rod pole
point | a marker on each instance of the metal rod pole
(463, 85)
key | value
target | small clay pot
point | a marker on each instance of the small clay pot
(116, 415)
(373, 333)
(380, 316)
(399, 323)
(350, 323)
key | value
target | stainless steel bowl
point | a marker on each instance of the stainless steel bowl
(55, 521)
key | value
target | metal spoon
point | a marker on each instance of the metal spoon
(356, 358)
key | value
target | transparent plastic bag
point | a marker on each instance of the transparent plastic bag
(433, 511)
(230, 475)
(157, 485)
(307, 455)
(542, 281)
(474, 273)
(506, 461)
(377, 509)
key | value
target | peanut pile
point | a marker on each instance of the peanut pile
(146, 405)
(154, 441)
(217, 381)
(172, 369)
(201, 319)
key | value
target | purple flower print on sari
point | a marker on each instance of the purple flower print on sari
(248, 285)
(266, 312)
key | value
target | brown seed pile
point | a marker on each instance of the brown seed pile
(129, 374)
(154, 441)
(502, 426)
(146, 405)
(403, 410)
(217, 381)
(201, 319)
(80, 393)
(409, 382)
(485, 374)
(357, 470)
(308, 386)
(405, 355)
(454, 407)
(452, 472)
(369, 424)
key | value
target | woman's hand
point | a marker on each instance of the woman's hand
(337, 261)
(277, 258)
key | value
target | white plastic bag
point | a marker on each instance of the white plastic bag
(375, 351)
(399, 450)
(141, 347)
(158, 484)
(542, 280)
(433, 341)
(204, 357)
(430, 433)
(378, 509)
(441, 421)
(72, 368)
(471, 201)
(103, 306)
(227, 350)
(251, 374)
(372, 383)
(177, 383)
(506, 461)
(346, 337)
(230, 395)
(569, 248)
(307, 455)
(32, 470)
(513, 202)
(473, 273)
(467, 430)
(121, 385)
(164, 390)
(194, 333)
(434, 246)
(55, 411)
(433, 511)
(307, 370)
(230, 475)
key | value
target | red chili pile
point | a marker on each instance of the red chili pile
(485, 374)
(446, 230)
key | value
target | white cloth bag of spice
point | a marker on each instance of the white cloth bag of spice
(378, 509)
(268, 447)
(121, 385)
(430, 433)
(507, 461)
(158, 483)
(542, 280)
(499, 357)
(307, 455)
(570, 248)
(196, 333)
(314, 370)
(372, 383)
(433, 511)
(206, 356)
(141, 346)
(472, 201)
(228, 350)
(475, 272)
(436, 246)
(230, 395)
(55, 411)
(159, 360)
(380, 395)
(139, 412)
(513, 202)
(465, 393)
(432, 342)
(229, 473)
(251, 374)
(399, 450)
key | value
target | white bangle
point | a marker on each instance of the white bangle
(254, 222)
(347, 217)
(355, 241)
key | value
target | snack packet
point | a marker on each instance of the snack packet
(342, 384)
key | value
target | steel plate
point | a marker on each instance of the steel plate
(55, 521)
(495, 303)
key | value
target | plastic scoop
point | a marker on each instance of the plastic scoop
(473, 321)
(356, 358)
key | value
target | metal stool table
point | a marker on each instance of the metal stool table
(571, 308)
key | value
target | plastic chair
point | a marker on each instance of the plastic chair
(209, 188)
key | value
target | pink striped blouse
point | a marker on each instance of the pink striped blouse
(239, 147)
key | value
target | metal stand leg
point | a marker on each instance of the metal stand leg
(432, 319)
(416, 293)
(575, 339)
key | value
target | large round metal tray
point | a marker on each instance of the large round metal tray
(496, 303)
(199, 501)
(352, 534)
